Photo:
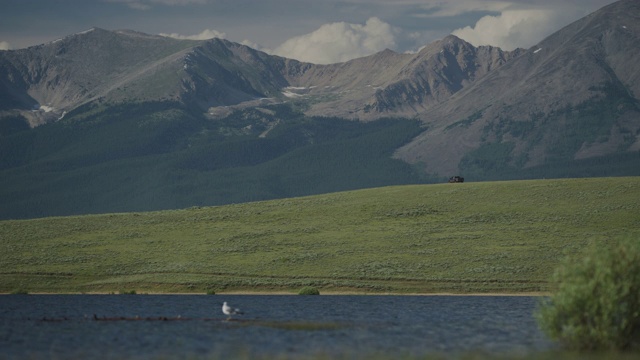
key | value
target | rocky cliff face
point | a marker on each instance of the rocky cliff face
(43, 82)
(437, 72)
(392, 84)
(572, 96)
(116, 66)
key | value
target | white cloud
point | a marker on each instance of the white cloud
(253, 45)
(339, 42)
(5, 45)
(511, 29)
(204, 35)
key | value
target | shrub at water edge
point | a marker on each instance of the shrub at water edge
(309, 290)
(596, 304)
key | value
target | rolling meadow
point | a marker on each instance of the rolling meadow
(483, 237)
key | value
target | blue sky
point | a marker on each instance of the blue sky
(318, 31)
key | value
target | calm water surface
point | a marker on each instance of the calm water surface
(63, 326)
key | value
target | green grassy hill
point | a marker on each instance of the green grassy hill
(462, 238)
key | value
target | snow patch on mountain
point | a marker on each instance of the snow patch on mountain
(290, 94)
(46, 108)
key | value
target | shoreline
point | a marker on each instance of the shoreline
(286, 293)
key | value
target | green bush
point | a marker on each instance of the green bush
(596, 305)
(127, 292)
(309, 290)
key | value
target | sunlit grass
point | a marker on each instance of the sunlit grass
(459, 238)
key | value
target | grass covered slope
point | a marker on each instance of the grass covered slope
(471, 237)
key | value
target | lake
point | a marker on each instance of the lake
(327, 326)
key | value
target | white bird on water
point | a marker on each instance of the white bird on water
(228, 310)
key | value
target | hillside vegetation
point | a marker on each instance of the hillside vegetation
(460, 238)
(159, 156)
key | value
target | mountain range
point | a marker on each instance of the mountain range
(124, 121)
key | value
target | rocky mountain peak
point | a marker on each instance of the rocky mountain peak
(541, 104)
(125, 64)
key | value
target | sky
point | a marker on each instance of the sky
(316, 31)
